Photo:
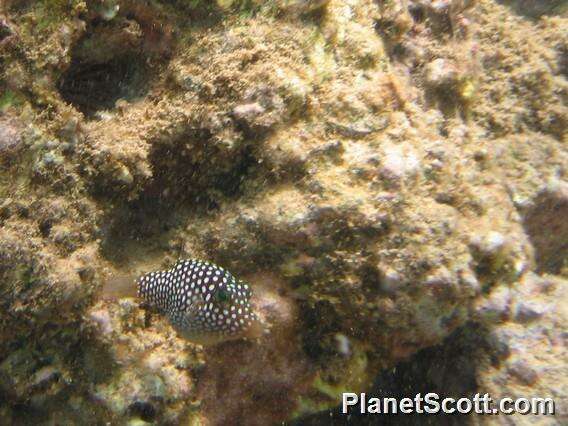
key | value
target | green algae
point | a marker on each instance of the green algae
(9, 99)
(327, 391)
(49, 13)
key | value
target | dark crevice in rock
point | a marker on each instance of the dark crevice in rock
(41, 372)
(92, 87)
(320, 322)
(5, 30)
(563, 60)
(536, 8)
(449, 369)
(191, 176)
(144, 410)
(116, 59)
(545, 223)
(194, 169)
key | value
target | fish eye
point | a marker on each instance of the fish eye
(222, 296)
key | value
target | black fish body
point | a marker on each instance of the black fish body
(204, 302)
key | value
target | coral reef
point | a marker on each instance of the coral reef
(390, 176)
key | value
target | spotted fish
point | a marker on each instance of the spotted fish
(205, 303)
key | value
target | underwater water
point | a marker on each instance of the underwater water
(283, 212)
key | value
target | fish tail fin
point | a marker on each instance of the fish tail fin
(119, 287)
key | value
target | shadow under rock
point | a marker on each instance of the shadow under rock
(535, 8)
(449, 369)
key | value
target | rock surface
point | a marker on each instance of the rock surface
(391, 175)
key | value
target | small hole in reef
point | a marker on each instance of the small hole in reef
(5, 30)
(143, 409)
(45, 228)
(92, 87)
(417, 12)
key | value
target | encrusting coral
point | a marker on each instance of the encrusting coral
(381, 173)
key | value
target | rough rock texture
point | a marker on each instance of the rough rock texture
(391, 174)
(546, 215)
(532, 345)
